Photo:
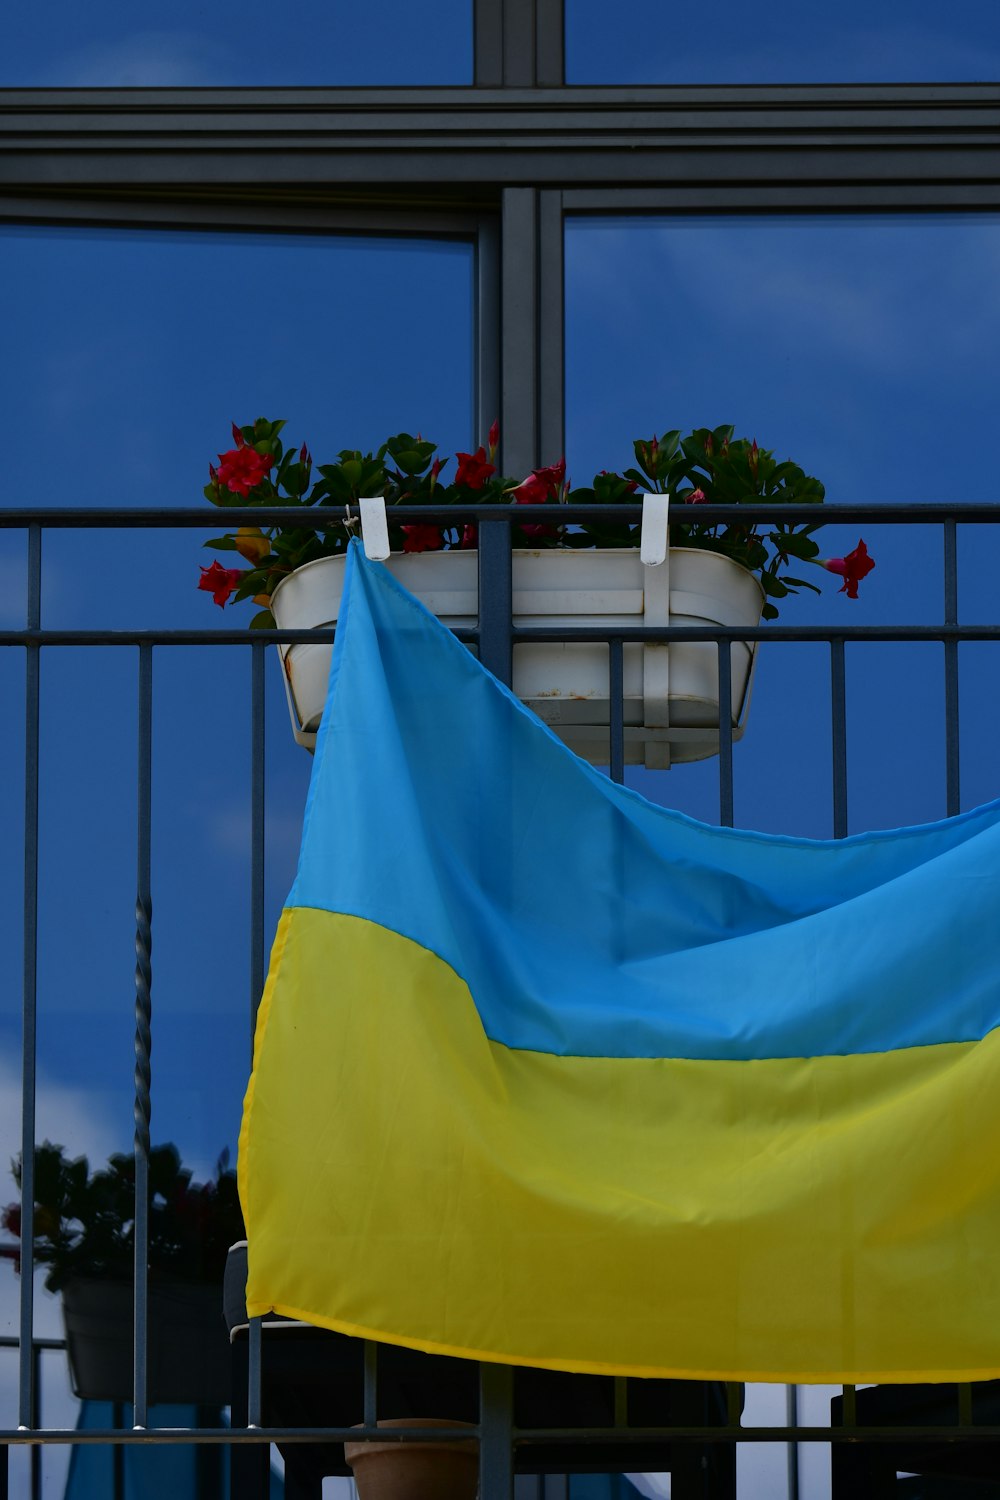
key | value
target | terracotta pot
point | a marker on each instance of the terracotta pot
(415, 1471)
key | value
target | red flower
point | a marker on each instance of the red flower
(241, 469)
(532, 491)
(305, 457)
(470, 536)
(238, 437)
(852, 568)
(541, 486)
(220, 582)
(697, 497)
(473, 469)
(423, 538)
(552, 478)
(436, 468)
(493, 439)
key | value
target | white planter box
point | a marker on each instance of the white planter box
(671, 692)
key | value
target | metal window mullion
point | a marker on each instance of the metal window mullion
(519, 330)
(142, 1107)
(487, 42)
(551, 323)
(519, 57)
(550, 43)
(486, 329)
(29, 1010)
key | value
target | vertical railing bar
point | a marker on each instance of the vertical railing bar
(254, 1372)
(257, 746)
(621, 1401)
(838, 718)
(142, 1108)
(29, 1008)
(371, 1383)
(616, 700)
(792, 1449)
(36, 1448)
(496, 1438)
(496, 598)
(725, 734)
(850, 1406)
(951, 720)
(733, 1403)
(964, 1404)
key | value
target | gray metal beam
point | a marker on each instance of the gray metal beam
(551, 327)
(340, 143)
(518, 43)
(486, 331)
(519, 331)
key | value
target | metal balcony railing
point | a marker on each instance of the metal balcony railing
(870, 1437)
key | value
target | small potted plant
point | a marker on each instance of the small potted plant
(729, 574)
(85, 1236)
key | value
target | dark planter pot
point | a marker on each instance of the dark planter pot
(188, 1359)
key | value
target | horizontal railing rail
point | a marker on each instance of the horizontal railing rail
(320, 517)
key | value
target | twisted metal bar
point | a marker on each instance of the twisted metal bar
(142, 1108)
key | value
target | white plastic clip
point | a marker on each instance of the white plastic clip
(653, 541)
(374, 528)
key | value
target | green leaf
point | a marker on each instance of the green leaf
(222, 544)
(769, 612)
(794, 544)
(773, 586)
(264, 620)
(801, 583)
(411, 455)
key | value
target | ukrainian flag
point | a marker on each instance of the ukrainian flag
(549, 1075)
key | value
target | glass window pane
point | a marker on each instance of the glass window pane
(782, 41)
(113, 44)
(865, 350)
(127, 357)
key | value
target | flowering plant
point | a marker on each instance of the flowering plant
(709, 466)
(85, 1222)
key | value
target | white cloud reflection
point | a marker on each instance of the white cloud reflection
(149, 59)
